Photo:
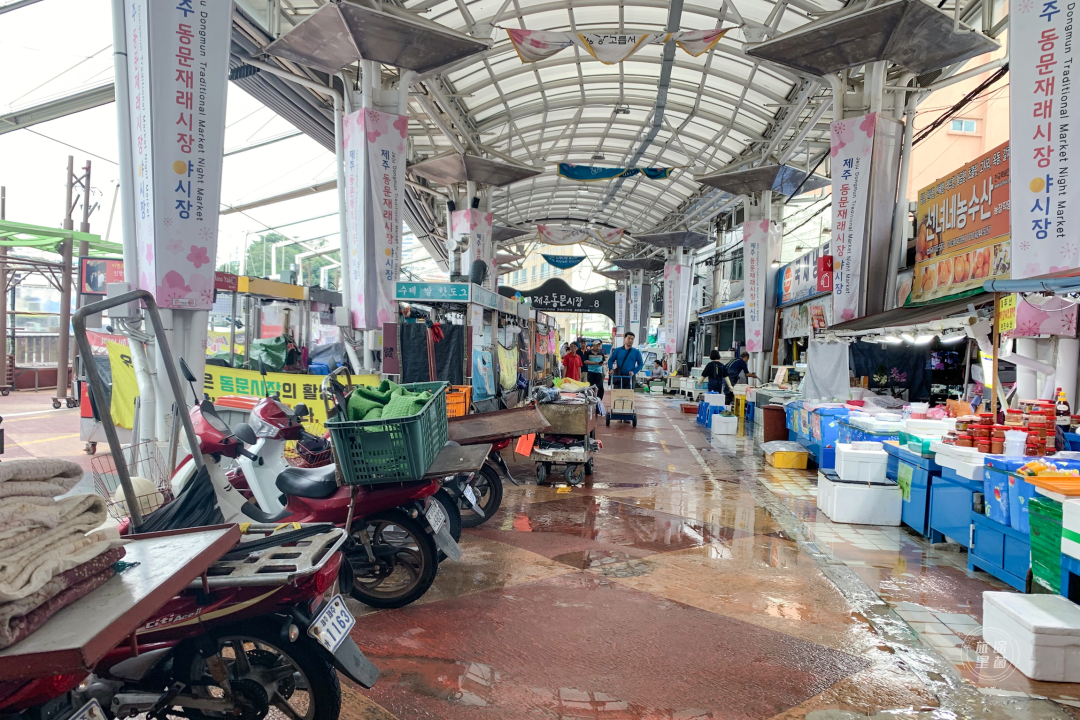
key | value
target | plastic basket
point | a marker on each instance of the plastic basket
(142, 460)
(1045, 518)
(788, 459)
(458, 399)
(396, 450)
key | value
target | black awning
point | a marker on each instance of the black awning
(901, 316)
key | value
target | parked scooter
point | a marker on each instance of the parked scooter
(228, 648)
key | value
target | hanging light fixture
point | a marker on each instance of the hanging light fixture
(951, 338)
(924, 338)
(907, 337)
(891, 338)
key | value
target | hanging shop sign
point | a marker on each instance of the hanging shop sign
(374, 184)
(588, 173)
(564, 262)
(563, 235)
(432, 292)
(677, 279)
(852, 148)
(1006, 313)
(802, 319)
(472, 229)
(95, 275)
(178, 67)
(800, 278)
(761, 244)
(620, 311)
(555, 295)
(1044, 228)
(962, 236)
(634, 308)
(825, 273)
(608, 48)
(226, 281)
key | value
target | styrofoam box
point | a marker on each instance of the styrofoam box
(861, 503)
(724, 425)
(714, 398)
(1070, 520)
(824, 494)
(1039, 634)
(862, 465)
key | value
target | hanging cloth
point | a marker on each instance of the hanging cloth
(563, 235)
(588, 173)
(826, 372)
(508, 360)
(608, 48)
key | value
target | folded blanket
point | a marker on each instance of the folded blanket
(20, 521)
(26, 566)
(30, 622)
(45, 477)
(13, 615)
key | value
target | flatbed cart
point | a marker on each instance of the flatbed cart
(622, 400)
(576, 420)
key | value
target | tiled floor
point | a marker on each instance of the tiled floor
(687, 579)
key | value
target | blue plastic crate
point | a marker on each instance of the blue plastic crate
(1019, 491)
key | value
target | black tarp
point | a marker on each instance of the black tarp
(910, 362)
(449, 354)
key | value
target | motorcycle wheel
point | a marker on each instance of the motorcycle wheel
(453, 515)
(264, 673)
(489, 493)
(405, 560)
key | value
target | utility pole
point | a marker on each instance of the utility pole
(65, 358)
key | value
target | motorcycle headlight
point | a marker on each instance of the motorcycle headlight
(262, 428)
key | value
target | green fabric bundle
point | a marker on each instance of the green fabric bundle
(388, 401)
(405, 405)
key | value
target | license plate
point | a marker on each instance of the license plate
(470, 494)
(332, 625)
(89, 711)
(435, 516)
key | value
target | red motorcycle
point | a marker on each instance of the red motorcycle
(229, 646)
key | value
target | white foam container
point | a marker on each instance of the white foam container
(715, 398)
(1038, 634)
(860, 465)
(966, 462)
(861, 503)
(1070, 520)
(724, 425)
(824, 494)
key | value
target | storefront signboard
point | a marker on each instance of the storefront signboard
(420, 291)
(800, 279)
(962, 231)
(802, 319)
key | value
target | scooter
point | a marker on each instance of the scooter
(224, 647)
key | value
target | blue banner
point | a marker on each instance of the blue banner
(563, 261)
(588, 173)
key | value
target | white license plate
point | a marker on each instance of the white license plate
(470, 494)
(435, 515)
(332, 625)
(89, 711)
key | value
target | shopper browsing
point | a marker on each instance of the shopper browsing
(594, 366)
(572, 363)
(715, 372)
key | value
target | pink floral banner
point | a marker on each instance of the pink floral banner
(178, 67)
(1039, 315)
(374, 185)
(474, 227)
(852, 151)
(761, 245)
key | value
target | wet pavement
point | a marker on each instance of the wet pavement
(688, 579)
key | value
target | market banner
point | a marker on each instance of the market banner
(1044, 229)
(588, 173)
(563, 262)
(800, 278)
(677, 279)
(962, 236)
(608, 48)
(474, 228)
(620, 311)
(178, 69)
(852, 146)
(374, 184)
(761, 244)
(634, 321)
(564, 235)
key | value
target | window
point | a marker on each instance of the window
(963, 126)
(736, 265)
(545, 270)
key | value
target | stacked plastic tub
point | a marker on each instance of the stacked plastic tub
(858, 492)
(824, 431)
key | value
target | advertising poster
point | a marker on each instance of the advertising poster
(95, 275)
(178, 68)
(801, 320)
(962, 231)
(474, 228)
(1045, 235)
(374, 184)
(852, 148)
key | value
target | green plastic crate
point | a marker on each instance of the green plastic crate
(1045, 518)
(371, 452)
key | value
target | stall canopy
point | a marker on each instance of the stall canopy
(903, 316)
(737, 305)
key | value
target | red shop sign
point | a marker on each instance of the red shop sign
(824, 274)
(226, 281)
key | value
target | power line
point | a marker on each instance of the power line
(87, 152)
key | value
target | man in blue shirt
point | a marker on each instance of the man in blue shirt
(625, 361)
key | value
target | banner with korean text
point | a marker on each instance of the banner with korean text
(178, 68)
(962, 229)
(473, 227)
(761, 245)
(677, 280)
(1045, 229)
(852, 148)
(374, 186)
(633, 323)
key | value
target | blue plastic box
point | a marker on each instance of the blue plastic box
(996, 492)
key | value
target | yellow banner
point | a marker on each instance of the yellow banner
(1007, 314)
(125, 388)
(291, 389)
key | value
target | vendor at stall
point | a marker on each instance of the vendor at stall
(738, 372)
(594, 366)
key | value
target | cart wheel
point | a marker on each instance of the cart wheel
(574, 474)
(91, 448)
(71, 402)
(541, 473)
(5, 392)
(56, 404)
(589, 467)
(609, 420)
(634, 421)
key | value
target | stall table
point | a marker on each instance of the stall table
(916, 475)
(999, 550)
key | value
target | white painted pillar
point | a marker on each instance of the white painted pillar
(1027, 385)
(1068, 355)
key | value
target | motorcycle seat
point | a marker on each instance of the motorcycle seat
(317, 483)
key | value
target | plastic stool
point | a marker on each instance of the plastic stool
(740, 405)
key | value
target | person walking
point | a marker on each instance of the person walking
(625, 362)
(715, 372)
(594, 367)
(572, 363)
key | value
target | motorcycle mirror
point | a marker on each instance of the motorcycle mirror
(301, 410)
(245, 434)
(190, 377)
